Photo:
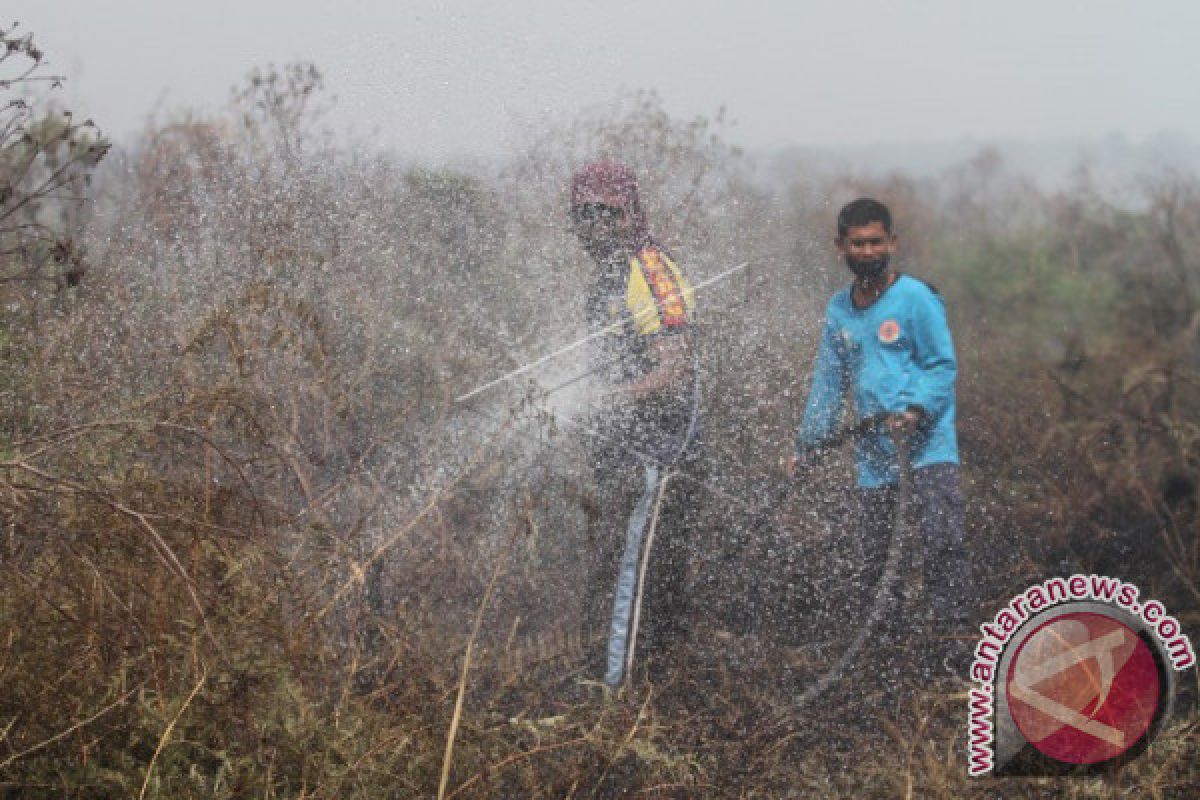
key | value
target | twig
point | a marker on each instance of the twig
(659, 787)
(466, 665)
(624, 743)
(70, 730)
(360, 570)
(167, 733)
(159, 544)
(515, 757)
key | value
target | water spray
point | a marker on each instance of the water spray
(613, 328)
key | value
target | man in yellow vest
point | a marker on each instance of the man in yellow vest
(646, 438)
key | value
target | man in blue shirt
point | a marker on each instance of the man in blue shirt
(886, 343)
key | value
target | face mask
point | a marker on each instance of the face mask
(601, 229)
(602, 247)
(867, 269)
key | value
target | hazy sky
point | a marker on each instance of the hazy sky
(441, 79)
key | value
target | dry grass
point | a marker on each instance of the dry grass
(250, 548)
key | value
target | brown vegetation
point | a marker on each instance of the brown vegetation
(251, 547)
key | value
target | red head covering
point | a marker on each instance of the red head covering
(611, 183)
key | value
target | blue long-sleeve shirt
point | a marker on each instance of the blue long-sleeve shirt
(894, 355)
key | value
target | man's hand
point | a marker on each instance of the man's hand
(904, 424)
(670, 356)
(789, 464)
(796, 462)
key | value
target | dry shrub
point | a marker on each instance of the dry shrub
(247, 530)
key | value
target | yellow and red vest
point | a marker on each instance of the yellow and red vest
(657, 294)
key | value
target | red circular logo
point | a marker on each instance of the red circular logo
(889, 331)
(1083, 688)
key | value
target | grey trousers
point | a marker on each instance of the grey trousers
(939, 533)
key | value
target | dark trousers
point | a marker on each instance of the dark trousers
(938, 535)
(626, 498)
